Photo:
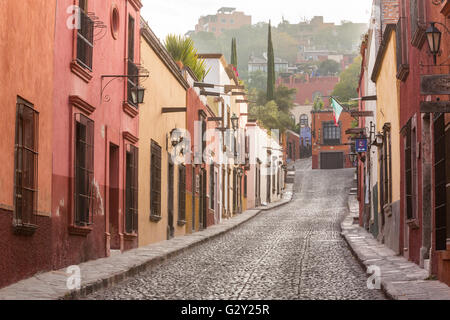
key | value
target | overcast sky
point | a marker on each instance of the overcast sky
(180, 16)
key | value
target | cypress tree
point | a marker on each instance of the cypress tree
(270, 68)
(233, 52)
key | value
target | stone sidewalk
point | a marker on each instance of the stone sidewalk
(400, 278)
(103, 273)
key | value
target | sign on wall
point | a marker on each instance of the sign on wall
(361, 145)
(435, 84)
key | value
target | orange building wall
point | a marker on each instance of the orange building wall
(317, 138)
(26, 70)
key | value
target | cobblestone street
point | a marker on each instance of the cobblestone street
(293, 252)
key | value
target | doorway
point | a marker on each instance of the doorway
(170, 226)
(114, 197)
(203, 202)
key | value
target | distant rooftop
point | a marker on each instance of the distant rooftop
(226, 10)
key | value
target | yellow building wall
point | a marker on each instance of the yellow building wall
(189, 213)
(162, 90)
(388, 106)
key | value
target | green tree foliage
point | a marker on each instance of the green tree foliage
(347, 87)
(274, 114)
(182, 49)
(234, 60)
(329, 67)
(270, 67)
(257, 80)
(252, 41)
(270, 117)
(284, 98)
(318, 103)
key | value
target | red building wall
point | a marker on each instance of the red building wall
(294, 141)
(306, 88)
(420, 63)
(317, 139)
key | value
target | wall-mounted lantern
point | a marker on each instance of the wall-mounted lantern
(434, 36)
(235, 121)
(137, 94)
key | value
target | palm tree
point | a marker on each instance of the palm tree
(182, 49)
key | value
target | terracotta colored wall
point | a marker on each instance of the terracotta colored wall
(440, 260)
(26, 70)
(163, 91)
(325, 116)
(306, 89)
(295, 142)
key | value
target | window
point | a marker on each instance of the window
(115, 22)
(304, 120)
(85, 37)
(84, 170)
(385, 172)
(331, 133)
(273, 183)
(245, 186)
(410, 164)
(203, 120)
(131, 190)
(133, 69)
(26, 164)
(181, 193)
(131, 38)
(155, 188)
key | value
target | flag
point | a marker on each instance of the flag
(337, 110)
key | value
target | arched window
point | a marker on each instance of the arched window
(304, 120)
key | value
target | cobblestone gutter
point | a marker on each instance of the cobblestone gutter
(399, 278)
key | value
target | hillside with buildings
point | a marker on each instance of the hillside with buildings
(298, 46)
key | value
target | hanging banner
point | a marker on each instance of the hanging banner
(361, 145)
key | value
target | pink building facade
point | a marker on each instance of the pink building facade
(95, 130)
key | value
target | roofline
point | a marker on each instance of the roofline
(218, 56)
(162, 53)
(390, 27)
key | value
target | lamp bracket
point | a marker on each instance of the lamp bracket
(115, 77)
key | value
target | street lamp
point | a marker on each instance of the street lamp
(434, 36)
(378, 142)
(353, 156)
(175, 137)
(235, 121)
(137, 95)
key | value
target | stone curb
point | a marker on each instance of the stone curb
(400, 279)
(107, 272)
